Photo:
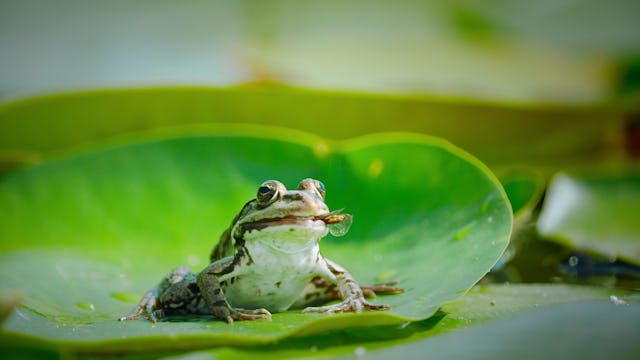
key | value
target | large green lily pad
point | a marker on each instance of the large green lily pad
(482, 309)
(595, 213)
(85, 236)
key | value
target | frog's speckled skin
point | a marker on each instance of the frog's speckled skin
(268, 260)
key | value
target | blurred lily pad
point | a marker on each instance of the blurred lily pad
(524, 188)
(35, 128)
(85, 235)
(594, 213)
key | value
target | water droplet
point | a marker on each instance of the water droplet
(375, 168)
(573, 261)
(360, 351)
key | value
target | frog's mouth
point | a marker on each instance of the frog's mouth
(292, 234)
(332, 218)
(337, 222)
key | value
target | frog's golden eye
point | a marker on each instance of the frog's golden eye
(267, 193)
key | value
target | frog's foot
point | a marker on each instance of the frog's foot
(354, 304)
(371, 291)
(232, 314)
(147, 309)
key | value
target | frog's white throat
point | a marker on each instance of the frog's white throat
(287, 238)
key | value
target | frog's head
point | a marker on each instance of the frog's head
(280, 216)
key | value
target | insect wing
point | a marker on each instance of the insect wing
(341, 228)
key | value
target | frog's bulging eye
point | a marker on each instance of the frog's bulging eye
(320, 188)
(313, 185)
(267, 193)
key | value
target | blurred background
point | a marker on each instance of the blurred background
(556, 80)
(546, 93)
(566, 52)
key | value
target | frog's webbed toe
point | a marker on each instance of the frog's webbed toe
(245, 314)
(173, 291)
(148, 308)
(352, 293)
(348, 305)
(371, 291)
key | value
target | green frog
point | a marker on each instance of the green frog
(267, 261)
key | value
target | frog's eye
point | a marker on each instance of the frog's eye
(320, 188)
(313, 185)
(267, 193)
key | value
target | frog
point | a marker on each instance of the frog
(268, 261)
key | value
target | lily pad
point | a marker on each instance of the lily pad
(85, 236)
(556, 332)
(484, 307)
(595, 213)
(524, 187)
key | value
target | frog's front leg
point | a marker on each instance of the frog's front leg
(351, 293)
(209, 283)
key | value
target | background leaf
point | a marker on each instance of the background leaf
(542, 135)
(595, 213)
(524, 187)
(530, 52)
(84, 233)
